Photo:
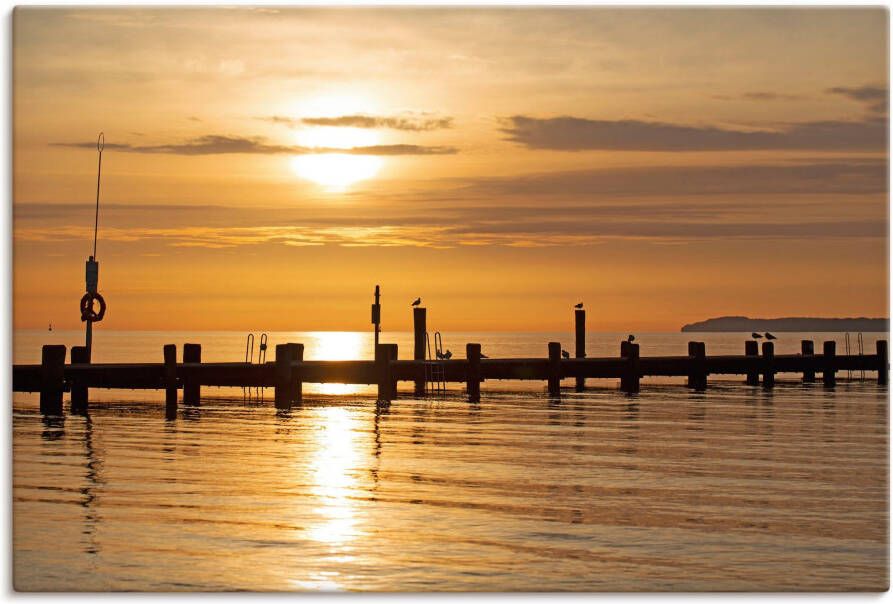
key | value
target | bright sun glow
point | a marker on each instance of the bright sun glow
(336, 171)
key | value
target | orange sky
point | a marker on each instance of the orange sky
(265, 168)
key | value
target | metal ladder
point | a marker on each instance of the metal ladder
(435, 379)
(861, 345)
(249, 358)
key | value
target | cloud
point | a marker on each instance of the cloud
(580, 134)
(839, 176)
(213, 144)
(758, 96)
(408, 122)
(875, 97)
(411, 122)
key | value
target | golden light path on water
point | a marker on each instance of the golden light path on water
(336, 455)
(338, 346)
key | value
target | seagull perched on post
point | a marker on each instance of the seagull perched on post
(756, 336)
(578, 305)
(630, 338)
(565, 354)
(448, 355)
(417, 302)
(769, 336)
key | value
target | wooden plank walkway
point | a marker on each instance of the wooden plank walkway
(289, 371)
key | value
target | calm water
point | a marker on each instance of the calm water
(732, 489)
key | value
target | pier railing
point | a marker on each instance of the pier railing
(52, 377)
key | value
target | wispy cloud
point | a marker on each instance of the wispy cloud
(408, 122)
(759, 95)
(579, 134)
(214, 144)
(874, 97)
(840, 176)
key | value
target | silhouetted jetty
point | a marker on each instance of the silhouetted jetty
(289, 371)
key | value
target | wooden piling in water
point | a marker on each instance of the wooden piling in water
(882, 362)
(387, 382)
(697, 377)
(580, 342)
(829, 369)
(288, 389)
(752, 349)
(420, 329)
(52, 375)
(554, 376)
(629, 381)
(768, 364)
(80, 397)
(192, 353)
(170, 379)
(473, 377)
(807, 349)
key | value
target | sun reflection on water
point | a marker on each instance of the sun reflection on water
(339, 346)
(333, 480)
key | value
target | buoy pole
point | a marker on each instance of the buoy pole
(92, 268)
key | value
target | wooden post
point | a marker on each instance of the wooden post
(297, 383)
(697, 373)
(283, 375)
(629, 381)
(882, 362)
(80, 398)
(580, 342)
(751, 349)
(288, 389)
(192, 353)
(170, 379)
(473, 377)
(554, 378)
(52, 379)
(807, 349)
(387, 385)
(829, 368)
(420, 328)
(768, 364)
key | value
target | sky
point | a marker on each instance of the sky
(266, 168)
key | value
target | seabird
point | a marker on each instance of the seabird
(448, 355)
(630, 338)
(579, 305)
(483, 356)
(756, 336)
(565, 354)
(417, 302)
(769, 336)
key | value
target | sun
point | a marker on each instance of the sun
(336, 171)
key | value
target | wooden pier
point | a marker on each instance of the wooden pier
(286, 374)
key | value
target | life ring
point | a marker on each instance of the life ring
(87, 312)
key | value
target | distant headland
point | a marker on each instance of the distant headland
(803, 324)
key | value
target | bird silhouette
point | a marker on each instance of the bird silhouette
(565, 354)
(769, 336)
(439, 356)
(483, 356)
(448, 355)
(417, 302)
(578, 305)
(756, 336)
(630, 338)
